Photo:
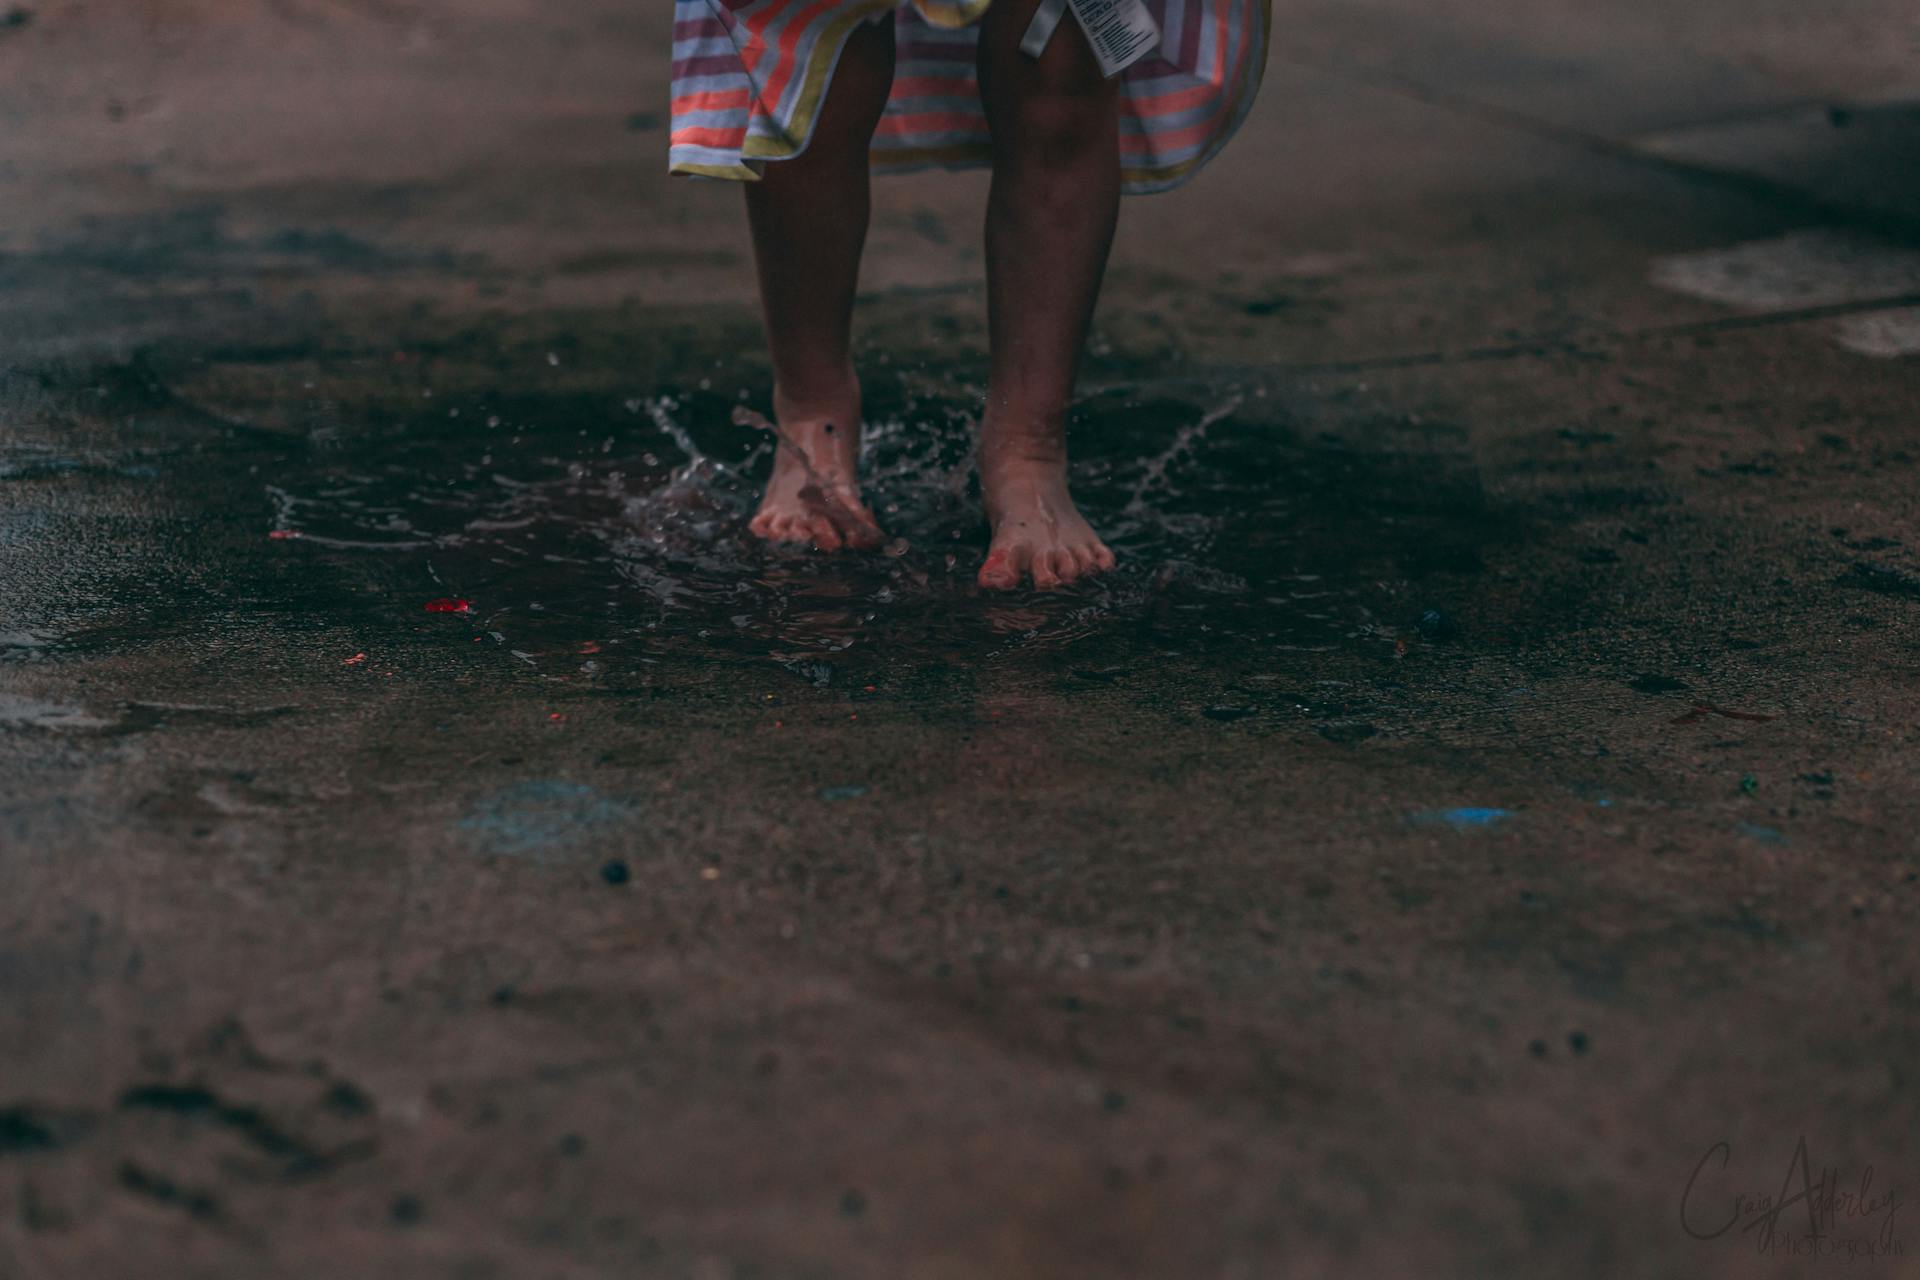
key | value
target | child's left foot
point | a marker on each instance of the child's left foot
(813, 495)
(1037, 531)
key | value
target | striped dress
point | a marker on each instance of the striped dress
(749, 77)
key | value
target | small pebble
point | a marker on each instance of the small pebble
(615, 872)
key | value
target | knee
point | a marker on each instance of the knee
(1061, 111)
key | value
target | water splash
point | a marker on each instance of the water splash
(624, 526)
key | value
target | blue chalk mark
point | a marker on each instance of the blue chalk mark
(1464, 819)
(851, 792)
(536, 820)
(1765, 835)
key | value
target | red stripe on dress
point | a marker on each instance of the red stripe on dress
(1173, 100)
(714, 100)
(798, 28)
(718, 139)
(1154, 142)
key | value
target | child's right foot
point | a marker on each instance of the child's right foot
(1038, 532)
(813, 496)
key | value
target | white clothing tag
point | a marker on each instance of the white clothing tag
(1121, 31)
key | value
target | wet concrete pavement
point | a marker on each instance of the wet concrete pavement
(437, 843)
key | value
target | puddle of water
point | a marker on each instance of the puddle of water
(583, 534)
(591, 536)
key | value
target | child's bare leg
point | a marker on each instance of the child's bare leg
(809, 220)
(1050, 222)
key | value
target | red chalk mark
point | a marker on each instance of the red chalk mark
(867, 688)
(280, 534)
(591, 646)
(555, 715)
(1701, 710)
(355, 660)
(449, 606)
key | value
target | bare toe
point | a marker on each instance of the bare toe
(862, 534)
(823, 533)
(1001, 572)
(813, 491)
(1030, 508)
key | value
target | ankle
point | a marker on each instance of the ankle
(1009, 448)
(823, 395)
(1015, 479)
